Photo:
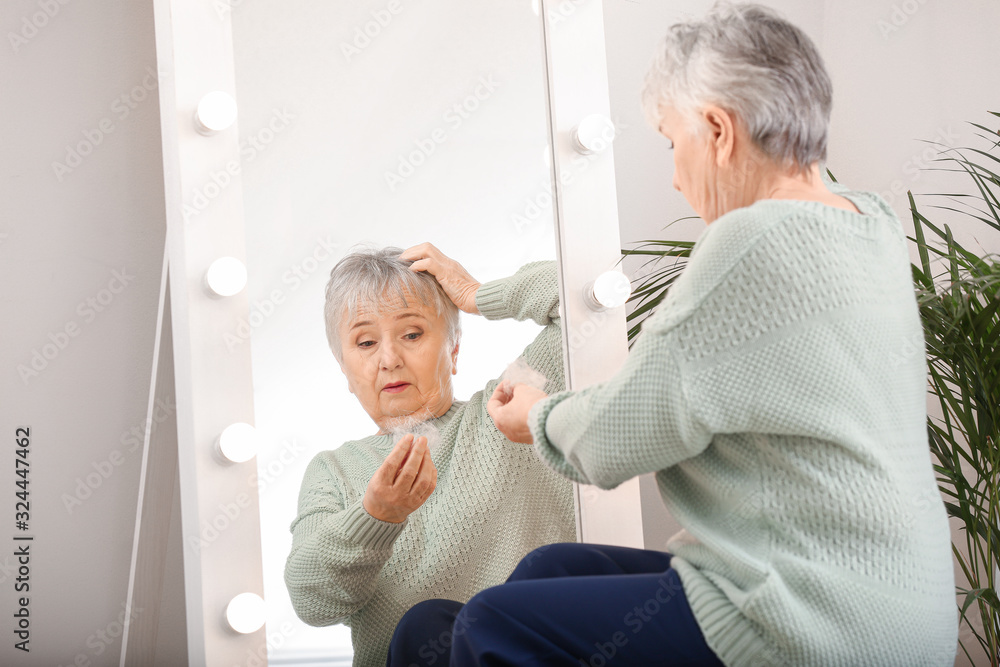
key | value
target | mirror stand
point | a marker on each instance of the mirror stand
(215, 547)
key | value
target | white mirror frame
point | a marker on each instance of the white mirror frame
(588, 243)
(220, 520)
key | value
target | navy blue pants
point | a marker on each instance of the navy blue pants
(564, 605)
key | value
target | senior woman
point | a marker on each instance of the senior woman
(387, 521)
(787, 437)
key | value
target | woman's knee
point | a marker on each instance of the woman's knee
(418, 633)
(546, 561)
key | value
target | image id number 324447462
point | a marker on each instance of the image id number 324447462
(22, 542)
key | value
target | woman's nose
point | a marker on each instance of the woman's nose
(390, 358)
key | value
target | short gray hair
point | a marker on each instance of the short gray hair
(366, 276)
(750, 61)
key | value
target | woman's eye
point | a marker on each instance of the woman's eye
(366, 343)
(412, 336)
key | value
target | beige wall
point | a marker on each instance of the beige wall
(81, 252)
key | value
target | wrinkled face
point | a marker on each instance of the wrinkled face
(398, 361)
(695, 173)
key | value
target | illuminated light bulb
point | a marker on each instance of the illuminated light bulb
(238, 443)
(226, 276)
(594, 134)
(216, 112)
(611, 289)
(246, 613)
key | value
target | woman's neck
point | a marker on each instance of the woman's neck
(803, 186)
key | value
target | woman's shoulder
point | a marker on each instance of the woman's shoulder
(779, 239)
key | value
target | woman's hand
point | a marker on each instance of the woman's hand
(457, 283)
(403, 482)
(509, 406)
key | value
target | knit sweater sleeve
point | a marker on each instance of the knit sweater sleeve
(637, 422)
(338, 549)
(531, 293)
(641, 420)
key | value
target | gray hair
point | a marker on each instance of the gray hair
(366, 277)
(750, 61)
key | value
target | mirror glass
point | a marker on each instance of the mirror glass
(387, 122)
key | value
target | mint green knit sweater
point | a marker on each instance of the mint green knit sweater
(494, 502)
(775, 394)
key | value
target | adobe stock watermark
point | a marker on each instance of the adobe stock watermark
(228, 513)
(224, 8)
(438, 648)
(131, 440)
(454, 117)
(32, 24)
(578, 335)
(59, 340)
(323, 252)
(104, 637)
(642, 615)
(250, 149)
(363, 35)
(536, 206)
(909, 348)
(563, 11)
(913, 167)
(120, 109)
(898, 16)
(266, 475)
(275, 640)
(634, 620)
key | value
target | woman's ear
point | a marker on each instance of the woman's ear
(454, 359)
(721, 128)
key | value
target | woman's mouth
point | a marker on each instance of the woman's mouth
(395, 387)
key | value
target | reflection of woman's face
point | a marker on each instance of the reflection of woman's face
(397, 360)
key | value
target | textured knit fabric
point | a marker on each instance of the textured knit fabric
(495, 501)
(777, 394)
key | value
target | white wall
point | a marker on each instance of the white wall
(66, 235)
(903, 72)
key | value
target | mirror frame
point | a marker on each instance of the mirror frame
(219, 507)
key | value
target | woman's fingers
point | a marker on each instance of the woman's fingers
(458, 284)
(389, 470)
(426, 479)
(420, 251)
(501, 396)
(509, 407)
(408, 472)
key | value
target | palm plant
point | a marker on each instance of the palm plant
(960, 309)
(958, 293)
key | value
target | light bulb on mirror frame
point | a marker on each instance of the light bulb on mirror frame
(609, 290)
(246, 613)
(226, 276)
(593, 135)
(237, 443)
(216, 112)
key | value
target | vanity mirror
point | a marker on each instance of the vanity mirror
(469, 125)
(386, 124)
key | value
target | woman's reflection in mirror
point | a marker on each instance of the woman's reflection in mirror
(437, 503)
